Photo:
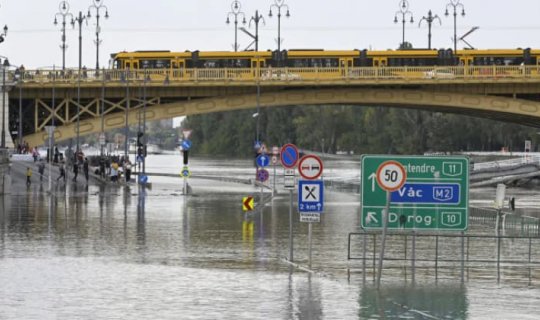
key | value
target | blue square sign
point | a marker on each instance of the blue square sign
(310, 195)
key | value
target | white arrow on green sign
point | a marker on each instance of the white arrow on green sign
(435, 195)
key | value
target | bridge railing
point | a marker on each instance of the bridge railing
(419, 74)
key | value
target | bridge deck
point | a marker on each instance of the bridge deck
(279, 76)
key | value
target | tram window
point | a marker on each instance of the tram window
(155, 64)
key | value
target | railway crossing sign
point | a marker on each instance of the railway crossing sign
(432, 195)
(310, 196)
(310, 167)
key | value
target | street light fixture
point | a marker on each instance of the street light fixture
(63, 13)
(5, 65)
(80, 19)
(98, 5)
(236, 10)
(256, 19)
(278, 4)
(429, 19)
(404, 12)
(455, 4)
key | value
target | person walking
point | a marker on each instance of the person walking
(86, 168)
(75, 171)
(28, 176)
(62, 173)
(41, 169)
(128, 170)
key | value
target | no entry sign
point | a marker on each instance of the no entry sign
(310, 167)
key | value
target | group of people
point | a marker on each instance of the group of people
(23, 148)
(114, 167)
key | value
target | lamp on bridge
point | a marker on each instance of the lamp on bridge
(404, 11)
(278, 4)
(80, 19)
(236, 10)
(63, 13)
(455, 4)
(98, 5)
(429, 19)
(5, 65)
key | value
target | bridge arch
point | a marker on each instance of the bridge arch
(498, 107)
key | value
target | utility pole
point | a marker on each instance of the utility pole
(80, 19)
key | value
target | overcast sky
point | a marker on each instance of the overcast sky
(33, 39)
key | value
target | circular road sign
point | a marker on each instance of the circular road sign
(310, 167)
(262, 175)
(289, 155)
(391, 175)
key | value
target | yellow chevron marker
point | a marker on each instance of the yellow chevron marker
(247, 203)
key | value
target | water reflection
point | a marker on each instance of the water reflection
(437, 302)
(309, 298)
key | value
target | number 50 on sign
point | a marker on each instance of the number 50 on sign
(391, 175)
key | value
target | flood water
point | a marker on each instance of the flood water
(111, 252)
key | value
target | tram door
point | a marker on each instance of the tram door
(257, 65)
(468, 63)
(345, 65)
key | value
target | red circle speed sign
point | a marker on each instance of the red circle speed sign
(391, 175)
(310, 167)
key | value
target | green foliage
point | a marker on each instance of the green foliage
(352, 129)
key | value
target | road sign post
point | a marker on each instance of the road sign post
(391, 176)
(289, 158)
(435, 195)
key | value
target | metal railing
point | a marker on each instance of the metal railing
(430, 74)
(428, 250)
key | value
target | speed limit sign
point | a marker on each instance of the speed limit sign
(391, 175)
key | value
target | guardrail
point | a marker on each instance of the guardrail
(268, 75)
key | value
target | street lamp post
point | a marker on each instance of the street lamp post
(236, 10)
(455, 4)
(80, 19)
(404, 12)
(98, 5)
(5, 65)
(63, 13)
(278, 4)
(429, 19)
(256, 19)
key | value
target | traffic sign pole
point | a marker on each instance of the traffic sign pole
(383, 241)
(309, 245)
(290, 226)
(391, 176)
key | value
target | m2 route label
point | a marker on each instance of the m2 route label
(434, 195)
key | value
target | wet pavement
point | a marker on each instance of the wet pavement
(104, 251)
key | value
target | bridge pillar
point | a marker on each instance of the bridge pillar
(5, 174)
(5, 108)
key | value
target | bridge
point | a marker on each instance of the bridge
(107, 99)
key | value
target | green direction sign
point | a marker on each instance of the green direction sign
(435, 195)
